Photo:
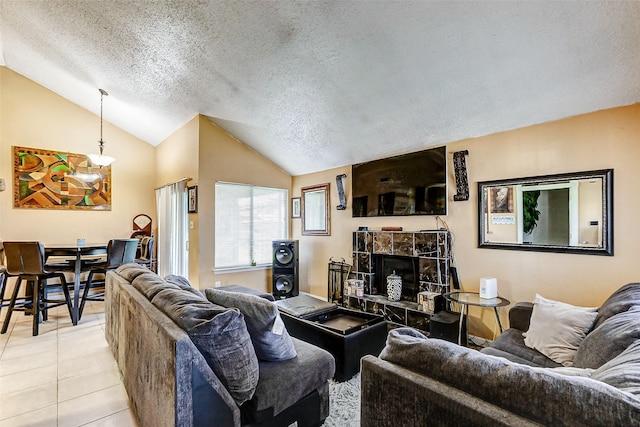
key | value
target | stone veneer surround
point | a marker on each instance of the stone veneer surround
(432, 248)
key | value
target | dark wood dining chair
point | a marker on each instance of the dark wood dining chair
(119, 251)
(144, 255)
(4, 280)
(26, 261)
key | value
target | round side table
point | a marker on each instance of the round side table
(473, 298)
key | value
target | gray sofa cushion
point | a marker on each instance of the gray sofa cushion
(541, 395)
(510, 345)
(609, 339)
(304, 374)
(269, 336)
(619, 302)
(150, 284)
(185, 308)
(520, 315)
(221, 336)
(131, 271)
(183, 283)
(516, 359)
(623, 371)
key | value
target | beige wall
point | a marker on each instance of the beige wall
(32, 116)
(177, 158)
(224, 158)
(205, 153)
(605, 139)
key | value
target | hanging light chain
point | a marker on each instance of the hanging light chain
(102, 94)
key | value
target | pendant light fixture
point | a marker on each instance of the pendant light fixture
(100, 159)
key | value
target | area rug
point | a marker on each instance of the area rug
(344, 403)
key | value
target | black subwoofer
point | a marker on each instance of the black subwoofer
(445, 325)
(285, 269)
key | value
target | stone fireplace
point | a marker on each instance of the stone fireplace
(421, 258)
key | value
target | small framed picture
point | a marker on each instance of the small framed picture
(192, 193)
(295, 207)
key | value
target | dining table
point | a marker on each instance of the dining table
(75, 253)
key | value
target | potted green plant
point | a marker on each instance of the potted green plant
(531, 213)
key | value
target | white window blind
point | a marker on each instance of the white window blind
(248, 219)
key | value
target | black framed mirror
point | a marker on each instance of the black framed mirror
(568, 213)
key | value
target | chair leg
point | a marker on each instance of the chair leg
(3, 287)
(36, 305)
(42, 284)
(12, 304)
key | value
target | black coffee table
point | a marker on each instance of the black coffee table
(346, 334)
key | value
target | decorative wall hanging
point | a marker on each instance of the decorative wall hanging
(295, 207)
(193, 199)
(55, 180)
(340, 184)
(462, 184)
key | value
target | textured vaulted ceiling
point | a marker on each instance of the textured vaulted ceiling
(318, 84)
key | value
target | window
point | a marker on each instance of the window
(248, 220)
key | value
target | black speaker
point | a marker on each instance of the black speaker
(285, 269)
(445, 325)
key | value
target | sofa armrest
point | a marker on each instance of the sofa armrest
(383, 383)
(520, 316)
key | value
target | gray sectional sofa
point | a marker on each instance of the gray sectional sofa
(188, 362)
(421, 381)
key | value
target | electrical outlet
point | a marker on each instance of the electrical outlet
(217, 284)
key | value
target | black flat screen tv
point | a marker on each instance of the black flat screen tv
(408, 184)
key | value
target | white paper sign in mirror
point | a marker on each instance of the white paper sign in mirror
(315, 210)
(570, 213)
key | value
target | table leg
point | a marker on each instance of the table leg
(498, 318)
(460, 324)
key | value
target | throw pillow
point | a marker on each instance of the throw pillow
(269, 336)
(221, 336)
(623, 371)
(557, 329)
(609, 339)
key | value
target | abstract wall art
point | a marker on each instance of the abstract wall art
(56, 180)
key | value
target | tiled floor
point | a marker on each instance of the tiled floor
(66, 376)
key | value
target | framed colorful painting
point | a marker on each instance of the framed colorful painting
(54, 180)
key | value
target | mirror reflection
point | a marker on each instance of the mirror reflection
(560, 213)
